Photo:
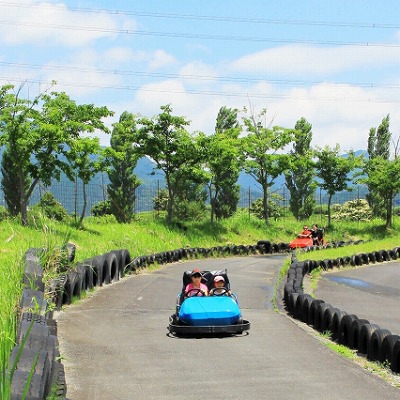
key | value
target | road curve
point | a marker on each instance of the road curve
(115, 345)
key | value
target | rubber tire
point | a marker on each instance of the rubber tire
(319, 315)
(313, 311)
(355, 329)
(336, 321)
(375, 344)
(396, 358)
(366, 332)
(344, 334)
(112, 267)
(41, 385)
(388, 345)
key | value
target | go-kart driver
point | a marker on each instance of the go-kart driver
(190, 289)
(220, 289)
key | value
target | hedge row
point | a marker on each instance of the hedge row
(375, 343)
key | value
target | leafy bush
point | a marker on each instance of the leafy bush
(354, 210)
(274, 209)
(161, 200)
(101, 208)
(3, 213)
(189, 210)
(51, 207)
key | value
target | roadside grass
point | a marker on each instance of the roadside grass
(380, 369)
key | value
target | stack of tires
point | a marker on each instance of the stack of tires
(35, 367)
(368, 339)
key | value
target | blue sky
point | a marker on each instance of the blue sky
(335, 63)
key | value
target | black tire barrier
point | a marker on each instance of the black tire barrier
(363, 258)
(124, 259)
(369, 339)
(97, 264)
(387, 349)
(313, 310)
(265, 245)
(327, 319)
(375, 344)
(355, 329)
(58, 382)
(395, 365)
(344, 334)
(55, 291)
(33, 273)
(32, 301)
(392, 254)
(292, 302)
(34, 324)
(336, 321)
(319, 315)
(112, 268)
(86, 272)
(306, 308)
(372, 257)
(72, 287)
(366, 332)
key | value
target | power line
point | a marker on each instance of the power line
(206, 17)
(204, 92)
(116, 72)
(199, 36)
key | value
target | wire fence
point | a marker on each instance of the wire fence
(70, 195)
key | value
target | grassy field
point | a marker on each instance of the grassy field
(149, 234)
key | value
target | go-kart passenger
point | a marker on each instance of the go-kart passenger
(305, 233)
(190, 289)
(317, 235)
(220, 289)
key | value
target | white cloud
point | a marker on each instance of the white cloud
(160, 59)
(51, 24)
(306, 60)
(117, 55)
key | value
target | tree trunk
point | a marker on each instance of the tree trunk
(265, 203)
(329, 210)
(84, 205)
(389, 210)
(212, 203)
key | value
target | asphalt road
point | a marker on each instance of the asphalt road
(371, 292)
(116, 345)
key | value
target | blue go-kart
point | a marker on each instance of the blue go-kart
(197, 315)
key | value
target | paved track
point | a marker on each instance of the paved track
(116, 345)
(371, 292)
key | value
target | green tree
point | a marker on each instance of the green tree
(165, 140)
(84, 164)
(223, 161)
(300, 175)
(38, 135)
(334, 171)
(378, 146)
(384, 181)
(12, 193)
(122, 158)
(263, 147)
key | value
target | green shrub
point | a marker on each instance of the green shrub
(354, 210)
(3, 213)
(51, 207)
(101, 208)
